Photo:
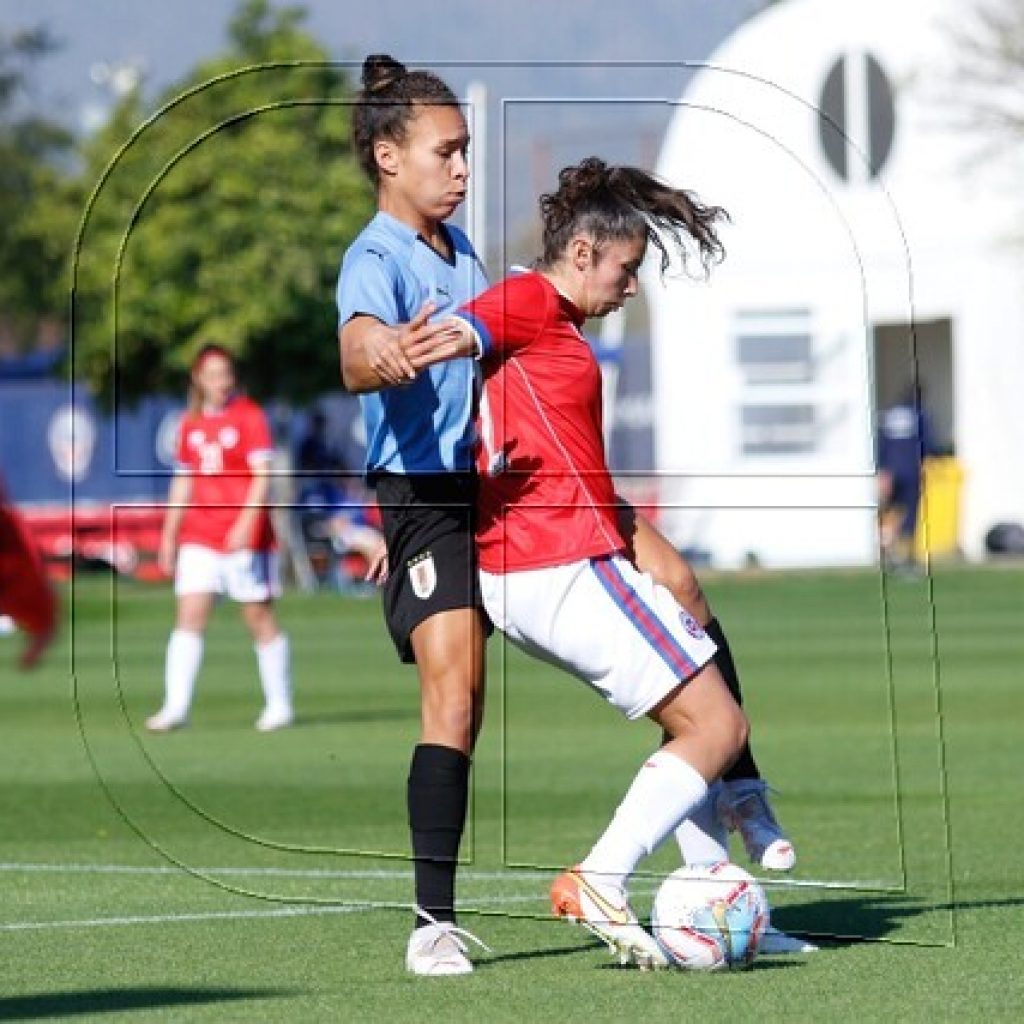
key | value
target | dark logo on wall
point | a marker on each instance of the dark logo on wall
(856, 117)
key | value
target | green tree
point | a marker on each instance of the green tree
(220, 215)
(35, 231)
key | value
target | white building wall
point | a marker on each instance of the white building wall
(921, 242)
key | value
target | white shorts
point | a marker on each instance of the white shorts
(245, 576)
(606, 623)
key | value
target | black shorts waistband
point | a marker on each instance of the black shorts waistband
(426, 488)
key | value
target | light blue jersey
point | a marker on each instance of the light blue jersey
(389, 272)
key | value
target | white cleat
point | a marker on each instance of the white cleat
(165, 721)
(743, 806)
(604, 910)
(437, 950)
(272, 719)
(774, 942)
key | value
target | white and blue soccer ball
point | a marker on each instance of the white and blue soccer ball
(710, 917)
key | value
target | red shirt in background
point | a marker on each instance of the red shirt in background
(219, 450)
(25, 593)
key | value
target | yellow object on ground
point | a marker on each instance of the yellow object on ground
(938, 519)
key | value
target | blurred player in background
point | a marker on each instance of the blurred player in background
(333, 506)
(551, 528)
(25, 593)
(217, 540)
(411, 138)
(904, 440)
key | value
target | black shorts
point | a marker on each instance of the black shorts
(429, 523)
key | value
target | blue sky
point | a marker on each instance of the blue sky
(628, 48)
(171, 35)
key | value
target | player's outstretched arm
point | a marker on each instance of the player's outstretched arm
(375, 355)
(438, 343)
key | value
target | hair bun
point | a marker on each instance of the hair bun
(584, 179)
(381, 70)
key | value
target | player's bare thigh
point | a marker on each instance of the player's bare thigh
(449, 650)
(194, 611)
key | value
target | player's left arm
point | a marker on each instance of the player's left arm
(651, 552)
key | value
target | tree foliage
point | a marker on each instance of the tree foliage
(35, 233)
(220, 214)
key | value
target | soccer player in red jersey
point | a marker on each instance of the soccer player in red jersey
(554, 568)
(552, 538)
(217, 539)
(25, 594)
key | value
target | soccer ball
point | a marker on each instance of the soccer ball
(709, 917)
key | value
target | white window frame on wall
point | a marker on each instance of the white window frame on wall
(776, 383)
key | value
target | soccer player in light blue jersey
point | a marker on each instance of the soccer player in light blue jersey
(407, 269)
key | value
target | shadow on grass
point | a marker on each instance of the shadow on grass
(53, 1005)
(537, 954)
(590, 947)
(851, 919)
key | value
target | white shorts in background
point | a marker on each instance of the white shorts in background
(606, 623)
(245, 576)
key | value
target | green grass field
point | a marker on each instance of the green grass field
(220, 874)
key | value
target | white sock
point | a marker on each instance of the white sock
(275, 673)
(664, 792)
(702, 838)
(184, 657)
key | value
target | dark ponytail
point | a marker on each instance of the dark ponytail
(384, 106)
(625, 202)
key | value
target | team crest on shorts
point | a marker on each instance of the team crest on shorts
(692, 626)
(423, 575)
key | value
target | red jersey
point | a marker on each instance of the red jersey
(218, 450)
(25, 593)
(546, 496)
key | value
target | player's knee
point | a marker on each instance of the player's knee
(448, 709)
(739, 726)
(190, 620)
(261, 621)
(727, 730)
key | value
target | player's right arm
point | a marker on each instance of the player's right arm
(374, 354)
(373, 333)
(502, 320)
(178, 497)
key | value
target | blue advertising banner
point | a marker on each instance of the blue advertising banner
(53, 438)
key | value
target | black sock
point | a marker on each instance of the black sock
(437, 794)
(745, 767)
